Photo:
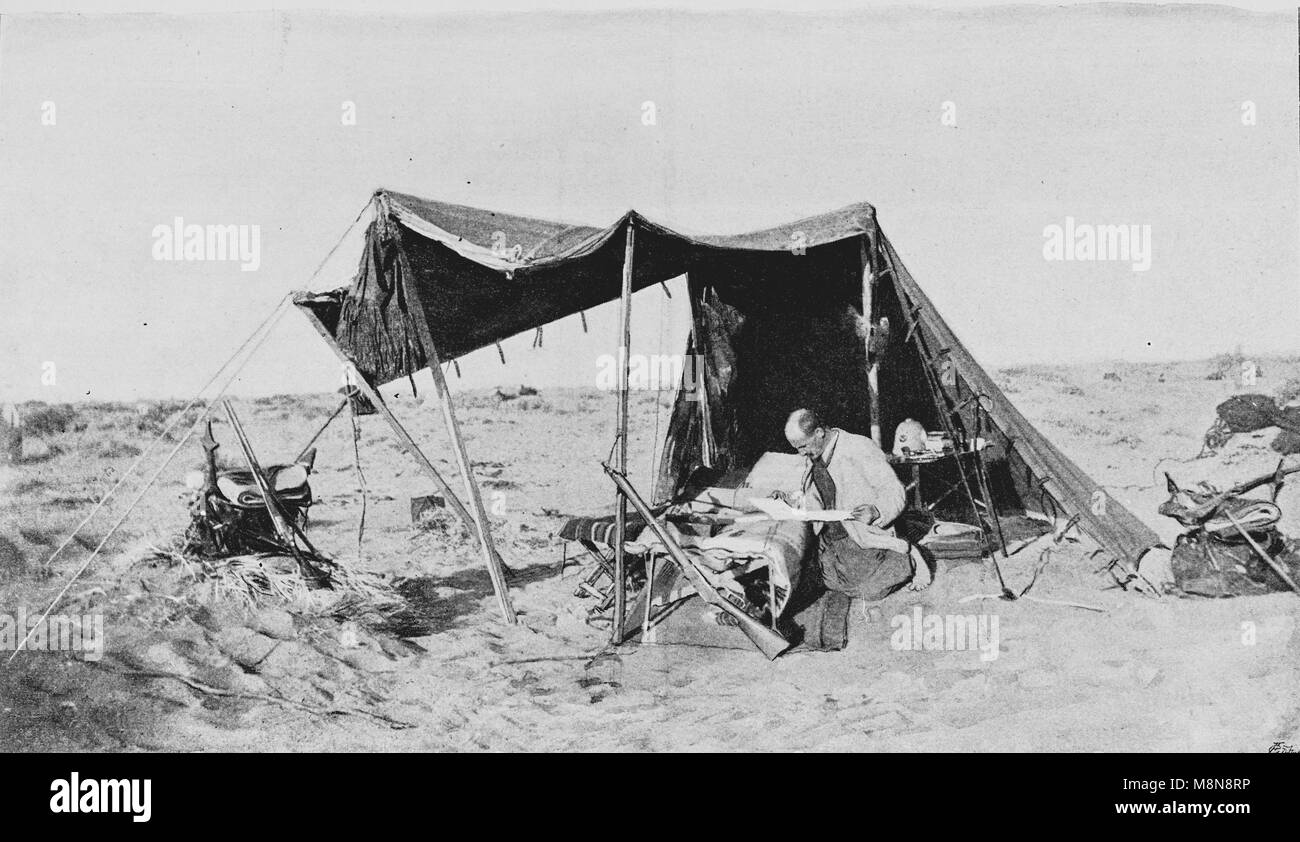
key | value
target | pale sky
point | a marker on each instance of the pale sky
(1108, 115)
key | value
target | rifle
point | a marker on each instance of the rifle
(769, 642)
(1254, 545)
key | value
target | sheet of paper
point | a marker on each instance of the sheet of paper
(778, 510)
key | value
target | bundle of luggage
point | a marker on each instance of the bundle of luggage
(258, 510)
(1248, 413)
(1232, 546)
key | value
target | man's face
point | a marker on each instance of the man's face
(809, 445)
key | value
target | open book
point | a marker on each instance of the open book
(778, 510)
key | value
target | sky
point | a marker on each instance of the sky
(971, 131)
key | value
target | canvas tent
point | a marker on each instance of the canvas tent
(777, 318)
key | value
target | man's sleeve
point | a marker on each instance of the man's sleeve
(891, 497)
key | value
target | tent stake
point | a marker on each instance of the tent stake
(620, 531)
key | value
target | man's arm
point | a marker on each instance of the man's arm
(891, 497)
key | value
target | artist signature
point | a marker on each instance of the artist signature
(1280, 747)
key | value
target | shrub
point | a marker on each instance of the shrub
(1228, 366)
(43, 420)
(1289, 391)
(158, 415)
(113, 448)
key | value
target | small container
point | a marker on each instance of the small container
(937, 442)
(420, 505)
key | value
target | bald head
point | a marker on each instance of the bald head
(806, 432)
(802, 422)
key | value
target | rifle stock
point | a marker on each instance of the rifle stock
(768, 641)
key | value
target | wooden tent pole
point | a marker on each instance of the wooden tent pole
(873, 366)
(620, 529)
(490, 557)
(403, 437)
(496, 570)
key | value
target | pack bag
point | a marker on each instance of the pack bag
(1207, 566)
(1247, 413)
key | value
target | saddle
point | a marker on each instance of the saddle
(1257, 517)
(288, 483)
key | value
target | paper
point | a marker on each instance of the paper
(778, 510)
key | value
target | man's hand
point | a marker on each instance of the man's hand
(783, 497)
(866, 513)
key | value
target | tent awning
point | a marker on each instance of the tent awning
(505, 241)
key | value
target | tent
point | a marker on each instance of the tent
(777, 319)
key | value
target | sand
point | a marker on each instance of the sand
(1144, 674)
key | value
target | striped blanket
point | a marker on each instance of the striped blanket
(780, 546)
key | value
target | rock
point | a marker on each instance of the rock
(274, 622)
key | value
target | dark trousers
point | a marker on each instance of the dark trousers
(871, 574)
(842, 571)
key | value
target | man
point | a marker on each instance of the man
(859, 557)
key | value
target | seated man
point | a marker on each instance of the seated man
(858, 557)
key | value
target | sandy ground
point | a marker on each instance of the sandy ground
(1147, 674)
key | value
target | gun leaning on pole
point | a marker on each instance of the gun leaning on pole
(285, 529)
(769, 642)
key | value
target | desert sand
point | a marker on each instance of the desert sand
(1146, 674)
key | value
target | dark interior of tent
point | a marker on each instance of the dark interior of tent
(783, 331)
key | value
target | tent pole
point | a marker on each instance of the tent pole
(496, 570)
(620, 530)
(873, 366)
(490, 557)
(945, 406)
(403, 437)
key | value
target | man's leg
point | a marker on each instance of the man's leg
(829, 626)
(869, 573)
